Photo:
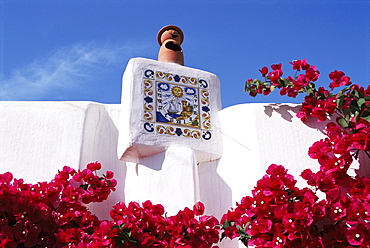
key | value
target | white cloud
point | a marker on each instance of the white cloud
(65, 69)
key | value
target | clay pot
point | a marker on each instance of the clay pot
(170, 39)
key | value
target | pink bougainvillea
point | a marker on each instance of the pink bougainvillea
(54, 214)
(278, 214)
(51, 214)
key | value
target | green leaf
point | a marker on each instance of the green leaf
(312, 86)
(348, 117)
(340, 94)
(226, 224)
(354, 106)
(343, 122)
(366, 112)
(360, 102)
(357, 116)
(84, 186)
(355, 93)
(340, 101)
(346, 112)
(245, 240)
(310, 92)
(346, 89)
(283, 82)
(241, 230)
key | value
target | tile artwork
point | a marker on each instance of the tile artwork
(176, 105)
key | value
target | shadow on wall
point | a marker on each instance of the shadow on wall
(209, 187)
(286, 111)
(100, 141)
(289, 111)
(213, 190)
(168, 178)
(364, 165)
(154, 164)
(215, 194)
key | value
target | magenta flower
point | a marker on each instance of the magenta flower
(338, 79)
(94, 166)
(198, 208)
(356, 235)
(264, 71)
(275, 76)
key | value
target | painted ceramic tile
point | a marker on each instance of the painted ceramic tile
(176, 105)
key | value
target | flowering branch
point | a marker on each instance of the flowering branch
(282, 215)
(351, 104)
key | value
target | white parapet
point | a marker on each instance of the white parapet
(166, 104)
(169, 178)
(39, 138)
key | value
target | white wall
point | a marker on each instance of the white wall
(38, 138)
(257, 135)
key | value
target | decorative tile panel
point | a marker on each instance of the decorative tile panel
(176, 105)
(165, 104)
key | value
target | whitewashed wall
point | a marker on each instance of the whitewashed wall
(38, 138)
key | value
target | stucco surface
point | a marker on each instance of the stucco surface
(38, 138)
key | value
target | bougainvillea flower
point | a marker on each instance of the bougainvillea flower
(312, 74)
(338, 79)
(231, 232)
(277, 66)
(198, 208)
(299, 64)
(94, 166)
(356, 235)
(320, 149)
(275, 76)
(264, 71)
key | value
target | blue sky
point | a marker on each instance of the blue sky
(78, 50)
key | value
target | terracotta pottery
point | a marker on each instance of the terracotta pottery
(170, 39)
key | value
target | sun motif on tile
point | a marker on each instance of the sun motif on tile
(177, 91)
